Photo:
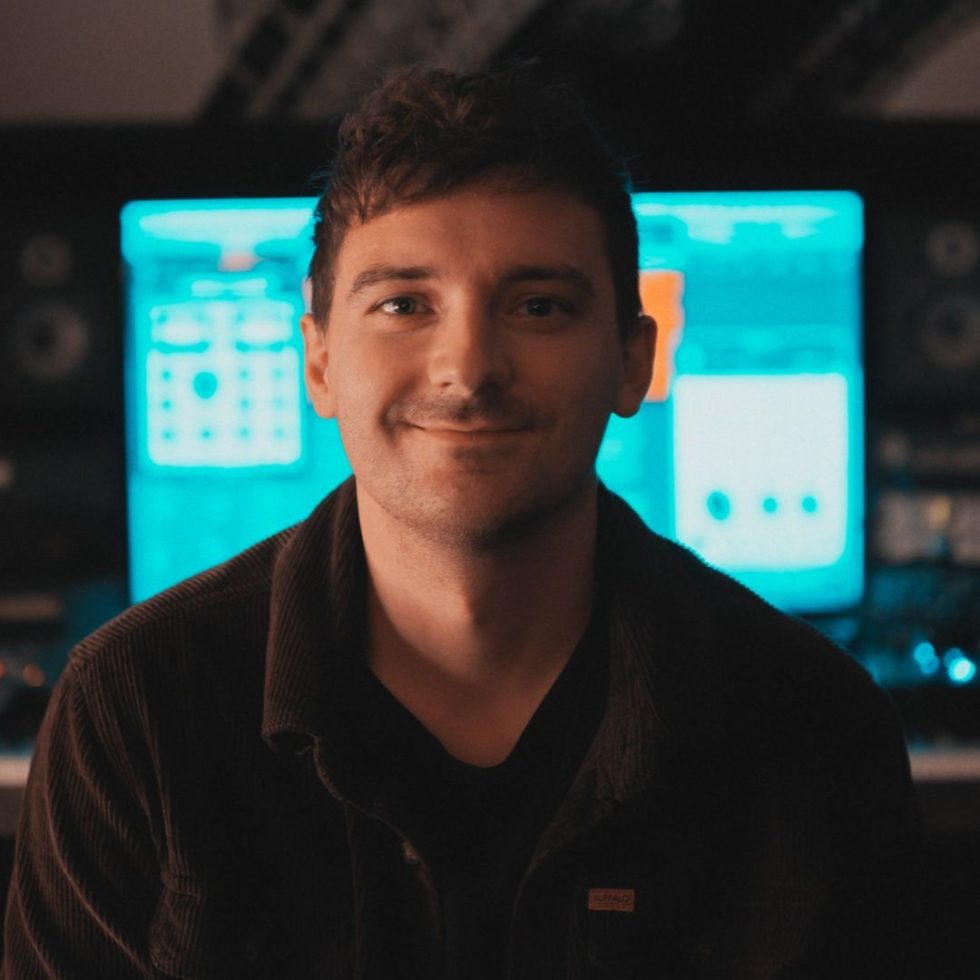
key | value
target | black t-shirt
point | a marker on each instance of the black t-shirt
(478, 826)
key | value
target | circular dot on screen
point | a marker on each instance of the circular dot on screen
(205, 384)
(719, 505)
(809, 504)
(770, 505)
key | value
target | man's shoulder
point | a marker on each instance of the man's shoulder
(728, 666)
(223, 608)
(729, 626)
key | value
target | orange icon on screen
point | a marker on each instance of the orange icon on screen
(662, 292)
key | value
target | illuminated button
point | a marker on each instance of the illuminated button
(809, 504)
(770, 505)
(205, 384)
(719, 506)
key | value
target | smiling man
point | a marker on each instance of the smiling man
(471, 719)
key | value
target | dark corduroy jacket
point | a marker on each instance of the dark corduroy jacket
(203, 801)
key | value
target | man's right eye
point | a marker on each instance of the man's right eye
(398, 306)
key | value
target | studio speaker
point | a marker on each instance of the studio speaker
(61, 484)
(59, 317)
(925, 309)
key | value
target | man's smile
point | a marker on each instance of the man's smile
(482, 436)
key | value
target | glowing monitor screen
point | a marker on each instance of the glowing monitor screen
(747, 447)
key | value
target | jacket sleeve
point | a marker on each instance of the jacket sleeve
(85, 880)
(874, 925)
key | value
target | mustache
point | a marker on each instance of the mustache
(493, 409)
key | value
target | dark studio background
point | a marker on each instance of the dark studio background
(102, 102)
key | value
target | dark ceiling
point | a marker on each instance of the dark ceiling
(752, 61)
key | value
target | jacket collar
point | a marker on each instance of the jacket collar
(316, 609)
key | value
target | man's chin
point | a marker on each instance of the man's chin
(464, 522)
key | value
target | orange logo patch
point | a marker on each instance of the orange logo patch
(612, 899)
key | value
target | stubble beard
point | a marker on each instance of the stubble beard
(483, 503)
(461, 519)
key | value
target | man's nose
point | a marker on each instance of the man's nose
(470, 352)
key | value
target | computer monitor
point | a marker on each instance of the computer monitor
(748, 446)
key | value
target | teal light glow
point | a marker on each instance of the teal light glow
(231, 225)
(829, 219)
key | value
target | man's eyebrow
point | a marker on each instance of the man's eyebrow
(514, 274)
(549, 273)
(388, 273)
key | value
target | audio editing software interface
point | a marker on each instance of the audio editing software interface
(747, 448)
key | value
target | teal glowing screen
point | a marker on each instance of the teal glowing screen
(748, 447)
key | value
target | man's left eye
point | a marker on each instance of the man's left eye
(541, 306)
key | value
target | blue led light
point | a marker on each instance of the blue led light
(960, 669)
(924, 654)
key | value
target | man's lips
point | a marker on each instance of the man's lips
(471, 433)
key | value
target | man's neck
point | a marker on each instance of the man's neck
(462, 633)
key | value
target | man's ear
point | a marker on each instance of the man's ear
(315, 361)
(638, 352)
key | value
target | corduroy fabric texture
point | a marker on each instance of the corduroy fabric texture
(203, 803)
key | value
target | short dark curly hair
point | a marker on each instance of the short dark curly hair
(426, 132)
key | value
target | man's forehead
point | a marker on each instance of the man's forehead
(547, 228)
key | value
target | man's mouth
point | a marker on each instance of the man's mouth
(474, 433)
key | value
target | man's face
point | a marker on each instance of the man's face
(471, 357)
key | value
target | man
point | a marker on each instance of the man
(470, 719)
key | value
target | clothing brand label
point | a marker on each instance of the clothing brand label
(612, 899)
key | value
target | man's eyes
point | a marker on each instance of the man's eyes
(537, 307)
